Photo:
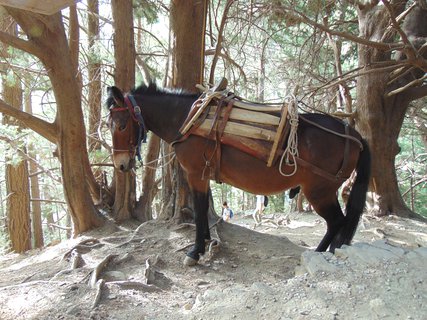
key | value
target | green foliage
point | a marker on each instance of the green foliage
(148, 9)
(411, 169)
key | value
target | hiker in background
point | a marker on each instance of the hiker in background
(259, 208)
(227, 213)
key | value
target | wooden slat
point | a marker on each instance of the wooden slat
(256, 148)
(242, 130)
(256, 107)
(39, 6)
(278, 137)
(250, 116)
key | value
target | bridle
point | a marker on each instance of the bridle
(136, 117)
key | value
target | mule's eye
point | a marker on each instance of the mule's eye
(122, 127)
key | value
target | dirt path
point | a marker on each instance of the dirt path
(254, 275)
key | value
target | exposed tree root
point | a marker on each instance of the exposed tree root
(150, 272)
(76, 260)
(378, 232)
(99, 269)
(185, 247)
(98, 294)
(183, 226)
(83, 247)
(134, 285)
(215, 243)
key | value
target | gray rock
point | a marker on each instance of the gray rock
(315, 262)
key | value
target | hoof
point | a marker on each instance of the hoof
(189, 262)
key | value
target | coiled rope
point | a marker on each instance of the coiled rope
(291, 151)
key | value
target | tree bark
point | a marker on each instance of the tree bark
(17, 185)
(36, 210)
(94, 72)
(187, 23)
(143, 210)
(47, 40)
(380, 117)
(124, 77)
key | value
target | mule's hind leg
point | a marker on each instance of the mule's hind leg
(330, 210)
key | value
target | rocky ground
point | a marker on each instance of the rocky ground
(272, 272)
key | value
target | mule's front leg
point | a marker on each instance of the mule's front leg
(199, 189)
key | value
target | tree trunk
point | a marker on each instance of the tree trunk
(124, 77)
(47, 40)
(17, 186)
(379, 117)
(94, 72)
(187, 19)
(144, 211)
(95, 99)
(36, 210)
(18, 207)
(166, 211)
(187, 22)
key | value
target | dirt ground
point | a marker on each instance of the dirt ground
(272, 272)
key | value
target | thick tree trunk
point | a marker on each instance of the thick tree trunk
(124, 77)
(187, 22)
(380, 117)
(47, 40)
(95, 100)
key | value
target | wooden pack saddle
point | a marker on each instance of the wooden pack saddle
(257, 129)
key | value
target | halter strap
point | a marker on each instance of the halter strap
(135, 112)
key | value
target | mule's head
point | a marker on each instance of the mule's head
(124, 130)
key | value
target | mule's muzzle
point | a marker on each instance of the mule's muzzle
(123, 162)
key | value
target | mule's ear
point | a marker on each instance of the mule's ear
(116, 95)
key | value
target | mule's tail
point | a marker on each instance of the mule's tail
(356, 200)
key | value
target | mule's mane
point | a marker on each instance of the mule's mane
(153, 90)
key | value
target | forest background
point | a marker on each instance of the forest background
(361, 60)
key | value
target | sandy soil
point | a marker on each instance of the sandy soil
(272, 272)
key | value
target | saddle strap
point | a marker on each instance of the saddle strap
(325, 174)
(319, 171)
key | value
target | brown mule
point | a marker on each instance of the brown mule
(325, 160)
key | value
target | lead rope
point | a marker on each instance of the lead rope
(171, 155)
(291, 151)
